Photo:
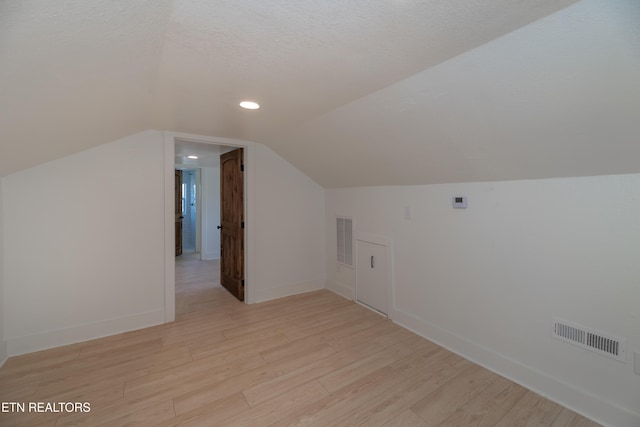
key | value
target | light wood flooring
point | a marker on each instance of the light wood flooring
(314, 359)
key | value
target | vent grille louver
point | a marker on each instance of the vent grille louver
(590, 339)
(344, 228)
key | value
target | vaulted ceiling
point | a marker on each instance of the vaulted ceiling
(365, 92)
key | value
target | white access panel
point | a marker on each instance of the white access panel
(371, 275)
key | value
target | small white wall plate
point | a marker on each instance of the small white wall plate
(459, 202)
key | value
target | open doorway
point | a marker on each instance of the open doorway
(190, 212)
(173, 140)
(197, 269)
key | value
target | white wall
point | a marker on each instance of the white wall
(486, 281)
(3, 348)
(84, 245)
(284, 222)
(210, 212)
(289, 228)
(84, 240)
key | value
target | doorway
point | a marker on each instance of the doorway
(207, 151)
(190, 210)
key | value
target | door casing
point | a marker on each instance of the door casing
(249, 209)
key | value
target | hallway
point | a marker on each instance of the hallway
(197, 284)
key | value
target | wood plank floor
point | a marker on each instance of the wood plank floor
(314, 359)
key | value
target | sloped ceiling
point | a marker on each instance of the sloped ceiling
(368, 92)
(75, 74)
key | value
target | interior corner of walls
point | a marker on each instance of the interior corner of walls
(567, 395)
(89, 331)
(285, 291)
(341, 290)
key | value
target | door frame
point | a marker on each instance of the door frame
(170, 139)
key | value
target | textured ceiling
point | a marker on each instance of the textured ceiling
(557, 98)
(410, 92)
(75, 74)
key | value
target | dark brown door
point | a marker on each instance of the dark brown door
(232, 222)
(178, 211)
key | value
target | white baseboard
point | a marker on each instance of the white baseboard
(341, 290)
(285, 291)
(210, 255)
(586, 404)
(89, 331)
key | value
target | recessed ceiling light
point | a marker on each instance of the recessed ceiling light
(192, 157)
(250, 105)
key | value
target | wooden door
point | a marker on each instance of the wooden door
(232, 222)
(371, 275)
(178, 211)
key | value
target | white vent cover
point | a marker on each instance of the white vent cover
(590, 339)
(345, 240)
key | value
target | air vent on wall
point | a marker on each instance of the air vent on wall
(590, 339)
(344, 227)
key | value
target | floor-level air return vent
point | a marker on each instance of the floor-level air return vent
(589, 339)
